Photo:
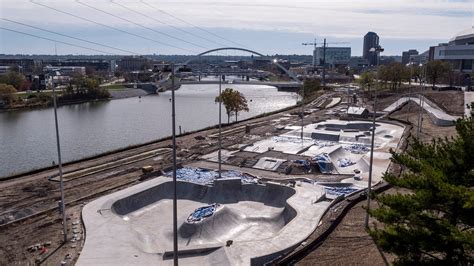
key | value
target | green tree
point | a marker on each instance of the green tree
(84, 88)
(13, 78)
(7, 94)
(366, 80)
(437, 69)
(234, 102)
(433, 222)
(311, 86)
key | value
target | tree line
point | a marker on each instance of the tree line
(392, 75)
(79, 88)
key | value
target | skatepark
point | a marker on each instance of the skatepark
(251, 224)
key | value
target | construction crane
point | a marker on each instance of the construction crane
(323, 63)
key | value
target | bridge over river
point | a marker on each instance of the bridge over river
(280, 85)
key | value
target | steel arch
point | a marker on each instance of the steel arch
(287, 71)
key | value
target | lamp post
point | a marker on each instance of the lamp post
(173, 126)
(220, 126)
(62, 204)
(302, 113)
(377, 50)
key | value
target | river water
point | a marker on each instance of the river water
(27, 138)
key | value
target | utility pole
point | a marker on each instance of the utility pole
(60, 165)
(420, 113)
(377, 50)
(220, 126)
(324, 63)
(175, 193)
(302, 113)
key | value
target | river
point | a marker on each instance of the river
(27, 137)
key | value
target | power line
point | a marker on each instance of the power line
(140, 25)
(192, 25)
(68, 36)
(111, 27)
(53, 40)
(165, 23)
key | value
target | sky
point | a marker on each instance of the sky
(194, 26)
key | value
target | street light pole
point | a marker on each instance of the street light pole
(220, 126)
(302, 113)
(175, 215)
(60, 167)
(369, 185)
(324, 63)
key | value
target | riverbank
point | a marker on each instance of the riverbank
(121, 93)
(132, 147)
(92, 130)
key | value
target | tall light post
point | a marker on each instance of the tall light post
(175, 193)
(62, 204)
(302, 113)
(220, 127)
(420, 113)
(377, 50)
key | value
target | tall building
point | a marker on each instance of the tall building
(459, 52)
(407, 54)
(334, 56)
(371, 40)
(132, 63)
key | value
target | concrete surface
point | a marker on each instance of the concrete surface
(133, 226)
(437, 115)
(468, 99)
(335, 137)
(334, 101)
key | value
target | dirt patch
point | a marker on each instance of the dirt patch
(452, 102)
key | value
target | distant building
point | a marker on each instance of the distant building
(26, 65)
(459, 51)
(4, 69)
(259, 63)
(407, 54)
(371, 40)
(358, 62)
(132, 63)
(419, 59)
(335, 56)
(65, 70)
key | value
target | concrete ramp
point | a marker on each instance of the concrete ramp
(341, 154)
(437, 115)
(134, 226)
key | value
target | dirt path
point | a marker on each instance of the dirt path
(348, 244)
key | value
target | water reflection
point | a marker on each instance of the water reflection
(27, 137)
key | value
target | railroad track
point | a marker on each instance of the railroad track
(73, 202)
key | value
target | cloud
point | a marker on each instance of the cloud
(396, 19)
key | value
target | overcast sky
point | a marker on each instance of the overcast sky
(268, 26)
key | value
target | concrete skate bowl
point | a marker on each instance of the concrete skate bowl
(247, 212)
(357, 161)
(134, 225)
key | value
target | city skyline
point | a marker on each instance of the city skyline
(270, 27)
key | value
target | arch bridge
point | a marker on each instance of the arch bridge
(273, 60)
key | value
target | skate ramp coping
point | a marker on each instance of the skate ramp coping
(262, 220)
